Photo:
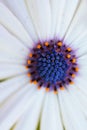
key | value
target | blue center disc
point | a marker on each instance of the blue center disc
(51, 66)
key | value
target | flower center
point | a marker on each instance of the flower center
(52, 65)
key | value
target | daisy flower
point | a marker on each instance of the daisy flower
(43, 64)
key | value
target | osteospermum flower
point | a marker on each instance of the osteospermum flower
(43, 64)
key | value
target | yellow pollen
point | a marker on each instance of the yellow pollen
(55, 92)
(73, 75)
(30, 55)
(46, 43)
(76, 69)
(68, 56)
(69, 49)
(47, 89)
(39, 87)
(26, 67)
(74, 60)
(35, 82)
(28, 74)
(31, 81)
(38, 46)
(29, 61)
(59, 43)
(71, 82)
(62, 88)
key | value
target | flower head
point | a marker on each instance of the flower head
(51, 65)
(43, 67)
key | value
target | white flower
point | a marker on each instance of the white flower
(23, 24)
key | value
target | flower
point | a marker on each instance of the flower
(43, 67)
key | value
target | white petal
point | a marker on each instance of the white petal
(57, 8)
(79, 97)
(11, 45)
(82, 72)
(41, 15)
(6, 57)
(81, 84)
(68, 10)
(30, 120)
(10, 86)
(1, 0)
(73, 118)
(51, 119)
(18, 7)
(79, 23)
(16, 106)
(13, 25)
(80, 45)
(8, 70)
(82, 61)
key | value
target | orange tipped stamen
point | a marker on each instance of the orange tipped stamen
(26, 67)
(31, 81)
(59, 43)
(35, 82)
(28, 74)
(62, 88)
(74, 60)
(29, 61)
(47, 89)
(76, 69)
(39, 87)
(38, 46)
(30, 55)
(73, 75)
(46, 43)
(71, 83)
(68, 56)
(69, 49)
(55, 92)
